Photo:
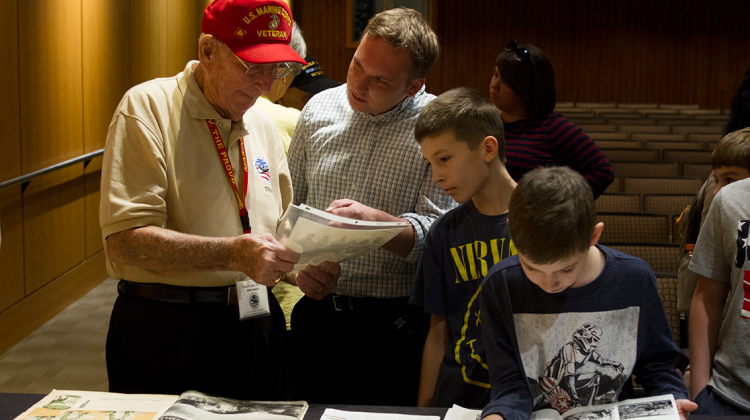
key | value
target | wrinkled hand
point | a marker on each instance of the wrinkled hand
(354, 210)
(316, 281)
(684, 407)
(263, 258)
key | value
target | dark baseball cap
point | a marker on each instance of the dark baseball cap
(311, 79)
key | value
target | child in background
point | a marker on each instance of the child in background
(731, 162)
(720, 312)
(461, 135)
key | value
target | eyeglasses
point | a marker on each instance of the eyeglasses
(277, 70)
(520, 52)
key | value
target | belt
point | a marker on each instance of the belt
(343, 303)
(178, 294)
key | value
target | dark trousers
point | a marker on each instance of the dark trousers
(360, 357)
(158, 347)
(711, 403)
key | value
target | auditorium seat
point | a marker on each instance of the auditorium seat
(632, 155)
(697, 170)
(646, 185)
(618, 144)
(631, 169)
(618, 203)
(651, 128)
(634, 227)
(612, 135)
(673, 145)
(662, 257)
(659, 137)
(697, 129)
(666, 284)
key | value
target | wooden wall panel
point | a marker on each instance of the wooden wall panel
(11, 247)
(91, 185)
(10, 144)
(50, 82)
(106, 71)
(53, 212)
(183, 33)
(106, 65)
(148, 40)
(323, 24)
(25, 317)
(671, 51)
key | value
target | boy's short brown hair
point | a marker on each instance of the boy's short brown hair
(470, 115)
(733, 150)
(551, 215)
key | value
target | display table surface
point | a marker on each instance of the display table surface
(12, 405)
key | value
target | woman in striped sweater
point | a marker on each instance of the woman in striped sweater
(523, 89)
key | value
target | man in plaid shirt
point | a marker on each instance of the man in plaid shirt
(353, 154)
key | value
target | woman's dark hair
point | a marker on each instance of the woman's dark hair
(531, 77)
(740, 115)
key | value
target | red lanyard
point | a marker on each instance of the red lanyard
(244, 218)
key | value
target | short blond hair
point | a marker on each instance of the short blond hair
(733, 150)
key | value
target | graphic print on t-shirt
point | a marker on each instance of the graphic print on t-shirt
(577, 358)
(741, 257)
(472, 262)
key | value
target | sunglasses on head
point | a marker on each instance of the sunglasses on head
(520, 52)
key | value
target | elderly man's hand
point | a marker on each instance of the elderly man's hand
(263, 258)
(316, 281)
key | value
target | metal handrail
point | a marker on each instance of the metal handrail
(28, 177)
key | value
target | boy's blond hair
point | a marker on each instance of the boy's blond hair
(467, 113)
(733, 150)
(551, 215)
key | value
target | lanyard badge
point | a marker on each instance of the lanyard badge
(251, 297)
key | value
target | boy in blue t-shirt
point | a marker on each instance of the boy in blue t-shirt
(461, 135)
(566, 321)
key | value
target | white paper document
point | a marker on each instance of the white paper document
(318, 236)
(459, 413)
(331, 414)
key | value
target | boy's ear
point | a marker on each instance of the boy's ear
(597, 233)
(489, 145)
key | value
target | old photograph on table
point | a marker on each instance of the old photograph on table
(89, 405)
(194, 405)
(661, 407)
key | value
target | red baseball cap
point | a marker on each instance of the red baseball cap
(257, 31)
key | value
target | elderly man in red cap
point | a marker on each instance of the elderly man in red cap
(194, 182)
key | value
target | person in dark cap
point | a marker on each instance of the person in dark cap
(194, 183)
(307, 83)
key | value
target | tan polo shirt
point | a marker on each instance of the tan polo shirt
(161, 168)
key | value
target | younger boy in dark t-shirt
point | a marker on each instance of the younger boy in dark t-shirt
(461, 135)
(566, 322)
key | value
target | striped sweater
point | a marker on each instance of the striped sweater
(556, 142)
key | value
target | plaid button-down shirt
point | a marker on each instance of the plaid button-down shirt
(339, 153)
